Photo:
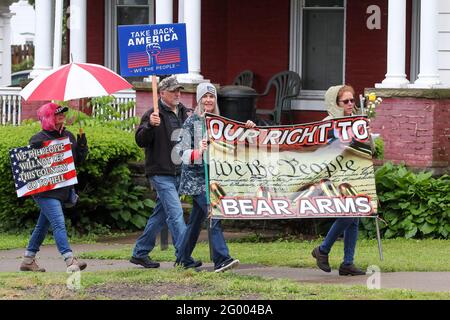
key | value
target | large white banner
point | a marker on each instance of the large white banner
(320, 169)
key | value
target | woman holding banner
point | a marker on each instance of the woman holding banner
(340, 101)
(191, 147)
(51, 202)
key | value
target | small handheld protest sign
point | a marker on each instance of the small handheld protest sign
(36, 170)
(153, 49)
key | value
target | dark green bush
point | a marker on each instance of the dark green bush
(379, 148)
(107, 113)
(24, 65)
(413, 205)
(107, 195)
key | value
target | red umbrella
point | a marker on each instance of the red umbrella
(74, 81)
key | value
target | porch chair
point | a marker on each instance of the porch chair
(287, 86)
(245, 78)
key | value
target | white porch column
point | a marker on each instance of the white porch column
(192, 18)
(395, 76)
(428, 72)
(57, 38)
(43, 38)
(5, 59)
(164, 11)
(180, 11)
(78, 30)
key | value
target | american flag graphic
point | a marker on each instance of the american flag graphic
(36, 170)
(140, 59)
(137, 60)
(171, 55)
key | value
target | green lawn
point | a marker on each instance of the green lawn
(16, 241)
(399, 254)
(179, 284)
(13, 241)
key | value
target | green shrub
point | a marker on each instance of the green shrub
(24, 65)
(14, 212)
(379, 148)
(106, 113)
(107, 195)
(413, 205)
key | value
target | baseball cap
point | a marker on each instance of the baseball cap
(61, 109)
(170, 84)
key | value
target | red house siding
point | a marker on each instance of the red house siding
(258, 38)
(214, 41)
(366, 50)
(441, 132)
(95, 41)
(238, 35)
(29, 109)
(254, 35)
(415, 131)
(304, 116)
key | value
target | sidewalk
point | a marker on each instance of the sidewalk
(417, 281)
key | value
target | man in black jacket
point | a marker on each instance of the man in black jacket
(158, 134)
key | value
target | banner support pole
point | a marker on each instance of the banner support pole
(380, 249)
(208, 200)
(155, 94)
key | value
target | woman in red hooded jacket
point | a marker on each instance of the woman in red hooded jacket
(51, 202)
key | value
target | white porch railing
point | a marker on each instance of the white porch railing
(10, 106)
(121, 97)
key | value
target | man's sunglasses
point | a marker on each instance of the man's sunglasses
(346, 101)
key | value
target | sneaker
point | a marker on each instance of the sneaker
(74, 265)
(146, 262)
(198, 263)
(29, 264)
(195, 264)
(350, 270)
(228, 264)
(322, 260)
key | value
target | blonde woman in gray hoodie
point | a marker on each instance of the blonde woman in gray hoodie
(340, 101)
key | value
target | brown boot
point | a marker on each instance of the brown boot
(29, 264)
(74, 265)
(321, 259)
(350, 270)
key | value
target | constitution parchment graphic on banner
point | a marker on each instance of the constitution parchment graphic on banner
(313, 170)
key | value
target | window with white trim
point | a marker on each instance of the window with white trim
(317, 45)
(124, 12)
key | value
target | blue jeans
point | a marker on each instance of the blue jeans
(219, 246)
(348, 226)
(51, 215)
(168, 209)
(189, 240)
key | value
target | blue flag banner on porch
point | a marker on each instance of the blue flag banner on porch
(153, 49)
